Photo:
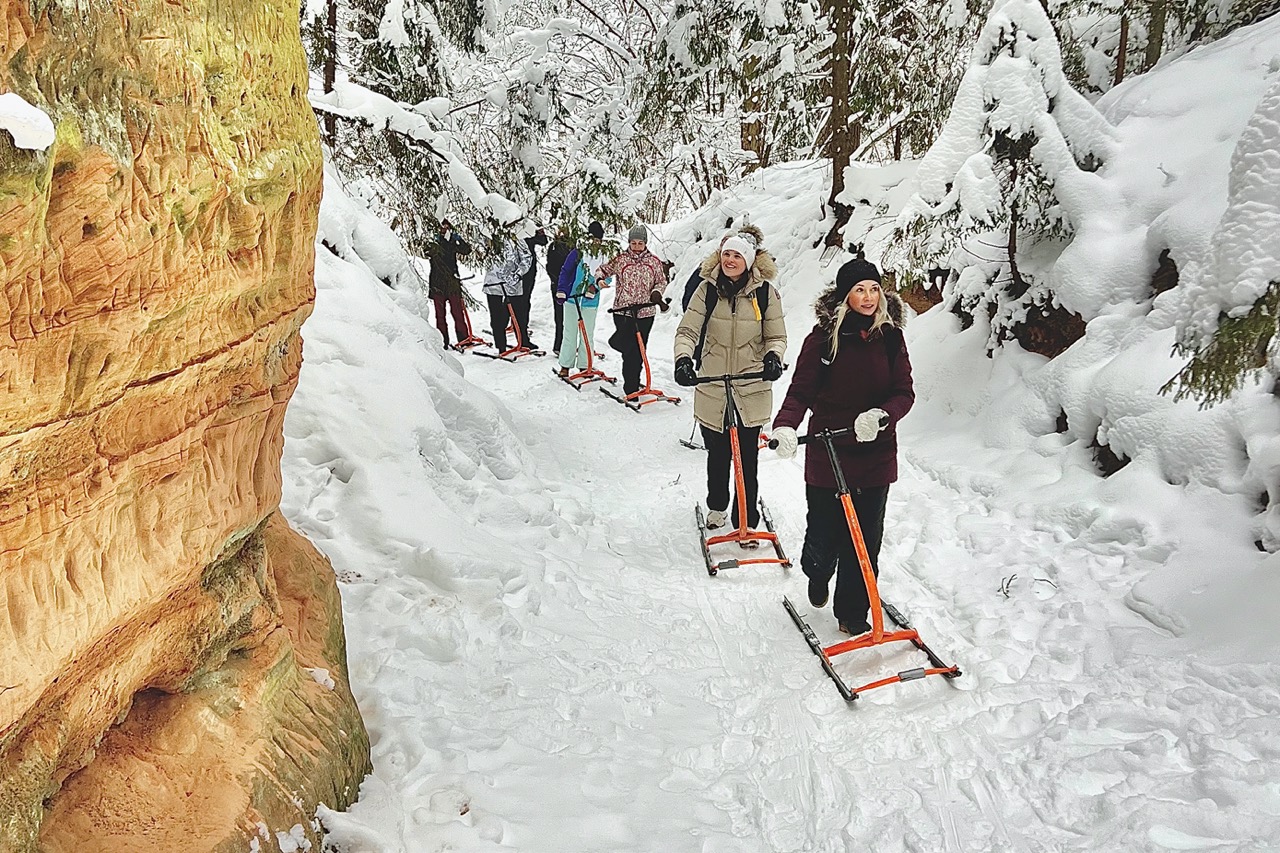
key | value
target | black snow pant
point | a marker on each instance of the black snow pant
(828, 548)
(721, 485)
(624, 341)
(558, 307)
(499, 316)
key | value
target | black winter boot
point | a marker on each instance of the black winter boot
(819, 592)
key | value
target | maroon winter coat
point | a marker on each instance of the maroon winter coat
(862, 377)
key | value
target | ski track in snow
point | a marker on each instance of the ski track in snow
(627, 701)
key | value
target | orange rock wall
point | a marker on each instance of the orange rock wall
(156, 265)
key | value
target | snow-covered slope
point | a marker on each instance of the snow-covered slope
(1192, 488)
(544, 665)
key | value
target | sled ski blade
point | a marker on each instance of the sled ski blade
(635, 407)
(492, 355)
(895, 616)
(565, 380)
(777, 540)
(816, 647)
(702, 537)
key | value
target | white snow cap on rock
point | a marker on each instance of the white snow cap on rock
(30, 126)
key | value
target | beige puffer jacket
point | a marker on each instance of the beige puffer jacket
(736, 343)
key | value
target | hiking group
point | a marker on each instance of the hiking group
(852, 376)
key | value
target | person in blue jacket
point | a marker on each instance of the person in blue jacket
(579, 289)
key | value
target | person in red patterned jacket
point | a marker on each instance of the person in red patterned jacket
(852, 371)
(638, 277)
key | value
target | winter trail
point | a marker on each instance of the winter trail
(636, 704)
(777, 756)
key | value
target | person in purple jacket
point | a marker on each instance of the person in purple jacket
(853, 370)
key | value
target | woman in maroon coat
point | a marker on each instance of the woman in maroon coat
(853, 370)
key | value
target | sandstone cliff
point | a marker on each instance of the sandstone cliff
(157, 616)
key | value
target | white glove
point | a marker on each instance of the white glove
(787, 443)
(867, 425)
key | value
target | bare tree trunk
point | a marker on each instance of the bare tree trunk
(897, 142)
(840, 13)
(331, 67)
(752, 125)
(1017, 286)
(1155, 33)
(1122, 51)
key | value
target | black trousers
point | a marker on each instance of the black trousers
(624, 341)
(558, 307)
(521, 306)
(828, 547)
(498, 319)
(721, 485)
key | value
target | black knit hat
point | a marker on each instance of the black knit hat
(856, 270)
(595, 229)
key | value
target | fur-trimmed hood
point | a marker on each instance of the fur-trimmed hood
(824, 309)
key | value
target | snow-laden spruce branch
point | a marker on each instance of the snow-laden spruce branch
(353, 101)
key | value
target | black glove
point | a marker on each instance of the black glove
(685, 374)
(772, 367)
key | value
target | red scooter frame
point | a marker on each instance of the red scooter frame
(636, 399)
(732, 421)
(590, 374)
(878, 636)
(519, 350)
(472, 339)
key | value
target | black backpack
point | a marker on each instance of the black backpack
(713, 296)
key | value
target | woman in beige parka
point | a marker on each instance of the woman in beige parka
(745, 333)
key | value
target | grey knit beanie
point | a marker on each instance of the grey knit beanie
(638, 232)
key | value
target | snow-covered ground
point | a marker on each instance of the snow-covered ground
(544, 665)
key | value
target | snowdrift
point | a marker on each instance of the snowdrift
(1195, 485)
(543, 664)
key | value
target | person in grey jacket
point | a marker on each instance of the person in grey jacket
(502, 284)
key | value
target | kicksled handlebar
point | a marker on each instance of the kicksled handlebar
(823, 435)
(729, 377)
(661, 304)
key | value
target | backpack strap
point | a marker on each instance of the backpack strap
(712, 297)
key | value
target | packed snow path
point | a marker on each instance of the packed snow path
(607, 695)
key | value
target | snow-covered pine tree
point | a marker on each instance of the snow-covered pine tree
(396, 49)
(998, 192)
(548, 113)
(1233, 298)
(728, 87)
(892, 99)
(1107, 41)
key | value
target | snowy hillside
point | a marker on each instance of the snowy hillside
(544, 665)
(1193, 489)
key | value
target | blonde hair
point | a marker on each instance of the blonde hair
(880, 318)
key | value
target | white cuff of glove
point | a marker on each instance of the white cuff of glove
(787, 442)
(867, 425)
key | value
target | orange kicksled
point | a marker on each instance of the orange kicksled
(745, 536)
(877, 636)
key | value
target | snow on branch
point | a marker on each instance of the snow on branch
(353, 101)
(1015, 166)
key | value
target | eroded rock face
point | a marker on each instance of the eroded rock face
(156, 263)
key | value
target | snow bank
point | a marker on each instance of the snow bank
(1192, 480)
(414, 483)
